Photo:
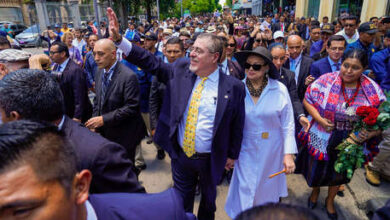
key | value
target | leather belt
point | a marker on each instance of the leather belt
(197, 156)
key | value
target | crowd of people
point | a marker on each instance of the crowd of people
(226, 97)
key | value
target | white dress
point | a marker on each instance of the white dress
(268, 136)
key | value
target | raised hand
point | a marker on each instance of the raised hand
(114, 26)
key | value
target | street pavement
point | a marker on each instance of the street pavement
(157, 177)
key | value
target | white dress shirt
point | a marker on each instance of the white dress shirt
(207, 108)
(79, 44)
(206, 114)
(225, 67)
(297, 62)
(91, 214)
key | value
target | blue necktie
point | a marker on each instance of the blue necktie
(105, 84)
(337, 65)
(292, 66)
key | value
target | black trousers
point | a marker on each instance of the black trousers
(187, 173)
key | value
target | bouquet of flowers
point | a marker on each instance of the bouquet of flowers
(351, 154)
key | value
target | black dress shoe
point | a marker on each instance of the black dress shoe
(310, 204)
(160, 154)
(340, 193)
(331, 216)
(141, 167)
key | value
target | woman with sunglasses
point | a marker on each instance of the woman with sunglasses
(268, 141)
(231, 48)
(332, 101)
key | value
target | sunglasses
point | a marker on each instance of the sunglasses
(349, 25)
(260, 40)
(255, 67)
(231, 45)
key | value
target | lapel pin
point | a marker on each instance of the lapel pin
(226, 96)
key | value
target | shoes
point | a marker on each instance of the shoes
(340, 193)
(141, 167)
(160, 154)
(331, 216)
(372, 177)
(310, 204)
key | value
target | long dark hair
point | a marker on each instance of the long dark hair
(356, 53)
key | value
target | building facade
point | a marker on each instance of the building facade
(364, 9)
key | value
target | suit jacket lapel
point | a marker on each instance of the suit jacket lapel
(301, 69)
(98, 87)
(184, 92)
(110, 85)
(222, 101)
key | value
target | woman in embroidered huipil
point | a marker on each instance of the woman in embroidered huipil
(268, 142)
(331, 102)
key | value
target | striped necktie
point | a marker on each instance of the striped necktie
(192, 120)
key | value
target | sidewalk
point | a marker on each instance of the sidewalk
(157, 177)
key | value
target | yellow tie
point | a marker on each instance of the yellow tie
(192, 119)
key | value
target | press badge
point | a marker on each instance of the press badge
(264, 135)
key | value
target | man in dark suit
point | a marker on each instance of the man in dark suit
(73, 83)
(299, 64)
(108, 161)
(278, 53)
(47, 186)
(174, 49)
(281, 25)
(116, 109)
(335, 48)
(202, 117)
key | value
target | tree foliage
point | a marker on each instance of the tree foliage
(229, 3)
(200, 6)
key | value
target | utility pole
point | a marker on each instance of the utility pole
(158, 10)
(95, 8)
(181, 7)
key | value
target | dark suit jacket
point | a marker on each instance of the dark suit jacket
(288, 79)
(236, 70)
(166, 205)
(320, 67)
(227, 133)
(120, 109)
(108, 161)
(304, 72)
(156, 98)
(277, 27)
(74, 88)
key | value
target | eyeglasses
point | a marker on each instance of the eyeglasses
(54, 52)
(255, 67)
(231, 45)
(349, 25)
(260, 40)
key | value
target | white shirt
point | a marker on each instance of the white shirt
(225, 67)
(62, 65)
(91, 214)
(206, 115)
(349, 40)
(79, 45)
(207, 108)
(297, 62)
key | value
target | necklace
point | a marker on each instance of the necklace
(256, 92)
(348, 102)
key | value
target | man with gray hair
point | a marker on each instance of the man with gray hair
(190, 127)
